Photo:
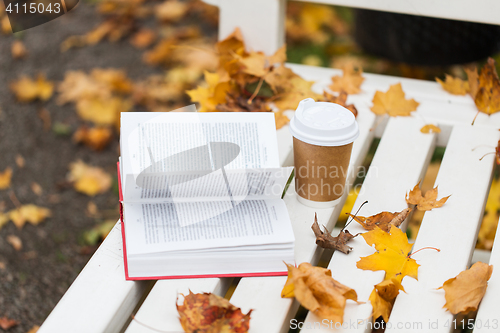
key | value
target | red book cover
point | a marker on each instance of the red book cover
(127, 277)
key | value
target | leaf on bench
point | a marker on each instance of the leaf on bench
(454, 85)
(393, 102)
(426, 202)
(383, 220)
(350, 81)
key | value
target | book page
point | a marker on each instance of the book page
(193, 141)
(230, 185)
(153, 228)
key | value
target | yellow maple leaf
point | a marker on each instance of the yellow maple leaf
(281, 119)
(5, 178)
(454, 85)
(487, 98)
(426, 202)
(393, 102)
(350, 81)
(88, 179)
(392, 256)
(209, 97)
(97, 138)
(317, 291)
(464, 292)
(383, 296)
(27, 89)
(28, 213)
(489, 224)
(101, 111)
(430, 129)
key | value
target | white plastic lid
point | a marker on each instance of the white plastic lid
(323, 124)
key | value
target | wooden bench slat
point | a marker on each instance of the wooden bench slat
(488, 316)
(100, 299)
(399, 163)
(452, 229)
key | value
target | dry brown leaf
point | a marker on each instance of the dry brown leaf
(27, 89)
(15, 241)
(143, 38)
(350, 81)
(341, 99)
(209, 313)
(88, 179)
(426, 202)
(392, 256)
(429, 128)
(6, 323)
(327, 241)
(393, 102)
(454, 85)
(382, 220)
(487, 98)
(18, 50)
(28, 213)
(5, 178)
(464, 292)
(383, 296)
(317, 291)
(44, 115)
(96, 138)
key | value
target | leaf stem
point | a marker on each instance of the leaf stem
(424, 248)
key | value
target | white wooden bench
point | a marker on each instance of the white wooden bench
(100, 300)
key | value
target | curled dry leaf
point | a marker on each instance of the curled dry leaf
(317, 291)
(383, 220)
(341, 99)
(96, 138)
(88, 179)
(28, 213)
(487, 98)
(383, 296)
(28, 90)
(18, 50)
(464, 292)
(454, 85)
(393, 102)
(430, 129)
(350, 81)
(426, 202)
(209, 313)
(5, 178)
(327, 241)
(392, 256)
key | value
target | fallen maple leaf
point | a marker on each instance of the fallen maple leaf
(464, 292)
(383, 220)
(392, 256)
(426, 202)
(327, 241)
(18, 50)
(96, 138)
(341, 99)
(28, 213)
(281, 119)
(104, 112)
(216, 92)
(349, 82)
(209, 313)
(393, 102)
(6, 323)
(383, 296)
(430, 129)
(88, 179)
(27, 89)
(454, 85)
(317, 291)
(5, 178)
(487, 98)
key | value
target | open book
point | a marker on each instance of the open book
(201, 196)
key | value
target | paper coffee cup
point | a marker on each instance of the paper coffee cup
(323, 134)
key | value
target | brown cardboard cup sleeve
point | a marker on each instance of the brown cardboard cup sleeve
(323, 136)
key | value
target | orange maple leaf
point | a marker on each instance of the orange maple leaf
(487, 98)
(209, 313)
(392, 254)
(383, 296)
(317, 291)
(393, 102)
(350, 81)
(454, 85)
(426, 202)
(464, 292)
